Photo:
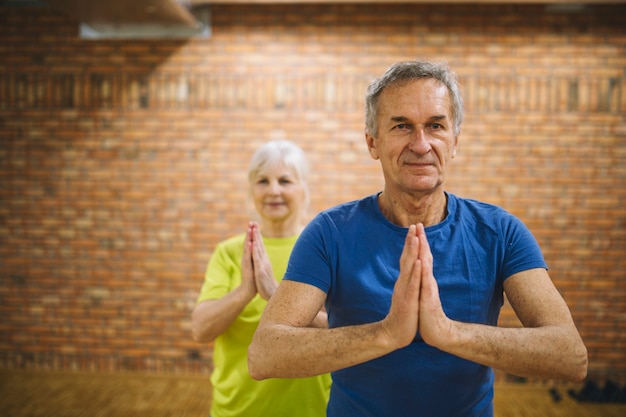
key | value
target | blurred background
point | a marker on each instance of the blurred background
(126, 129)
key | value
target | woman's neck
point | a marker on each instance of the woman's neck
(281, 228)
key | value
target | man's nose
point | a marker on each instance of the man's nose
(419, 142)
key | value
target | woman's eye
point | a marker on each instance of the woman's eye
(262, 181)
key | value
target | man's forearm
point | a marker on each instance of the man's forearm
(552, 352)
(283, 351)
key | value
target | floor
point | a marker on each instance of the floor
(67, 394)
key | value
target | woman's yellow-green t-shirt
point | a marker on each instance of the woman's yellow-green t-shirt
(235, 393)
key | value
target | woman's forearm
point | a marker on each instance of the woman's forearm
(211, 318)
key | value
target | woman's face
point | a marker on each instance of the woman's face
(277, 193)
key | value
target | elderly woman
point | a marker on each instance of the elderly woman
(242, 274)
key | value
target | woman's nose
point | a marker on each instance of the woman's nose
(274, 187)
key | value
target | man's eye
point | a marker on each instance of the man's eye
(402, 126)
(436, 126)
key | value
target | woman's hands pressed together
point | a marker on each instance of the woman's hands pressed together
(256, 269)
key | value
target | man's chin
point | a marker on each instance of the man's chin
(423, 185)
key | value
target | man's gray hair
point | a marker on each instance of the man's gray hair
(404, 72)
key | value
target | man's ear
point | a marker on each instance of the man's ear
(371, 145)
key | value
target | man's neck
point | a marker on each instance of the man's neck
(405, 209)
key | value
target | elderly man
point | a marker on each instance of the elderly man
(413, 278)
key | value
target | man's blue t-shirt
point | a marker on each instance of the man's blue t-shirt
(352, 252)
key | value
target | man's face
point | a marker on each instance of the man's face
(415, 135)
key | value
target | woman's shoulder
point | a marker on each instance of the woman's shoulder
(229, 243)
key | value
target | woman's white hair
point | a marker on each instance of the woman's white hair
(281, 152)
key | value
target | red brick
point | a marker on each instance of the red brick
(123, 163)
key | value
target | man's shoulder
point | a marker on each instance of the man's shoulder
(354, 206)
(478, 207)
(345, 215)
(485, 216)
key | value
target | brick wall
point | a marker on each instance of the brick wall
(122, 163)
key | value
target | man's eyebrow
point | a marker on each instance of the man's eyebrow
(434, 118)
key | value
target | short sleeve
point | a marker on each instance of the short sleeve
(522, 251)
(222, 274)
(310, 260)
